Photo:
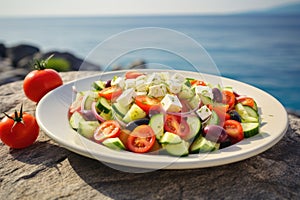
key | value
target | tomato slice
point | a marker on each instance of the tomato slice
(234, 130)
(133, 74)
(146, 103)
(246, 101)
(177, 125)
(141, 139)
(111, 93)
(228, 98)
(108, 129)
(197, 82)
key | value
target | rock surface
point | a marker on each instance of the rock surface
(45, 170)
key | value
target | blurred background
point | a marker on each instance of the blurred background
(253, 41)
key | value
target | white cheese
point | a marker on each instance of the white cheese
(154, 79)
(129, 83)
(141, 86)
(173, 86)
(126, 97)
(119, 81)
(204, 113)
(165, 76)
(157, 90)
(178, 78)
(171, 103)
(204, 90)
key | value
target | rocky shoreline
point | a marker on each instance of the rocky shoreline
(16, 62)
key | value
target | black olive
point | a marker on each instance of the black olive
(235, 116)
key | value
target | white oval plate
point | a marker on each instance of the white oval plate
(51, 114)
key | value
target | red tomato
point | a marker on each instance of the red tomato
(124, 133)
(228, 98)
(133, 74)
(39, 82)
(141, 139)
(246, 101)
(111, 93)
(197, 82)
(19, 130)
(146, 103)
(177, 125)
(108, 129)
(234, 130)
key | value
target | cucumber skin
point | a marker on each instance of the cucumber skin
(157, 124)
(202, 145)
(250, 132)
(193, 121)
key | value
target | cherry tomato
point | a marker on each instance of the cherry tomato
(111, 93)
(141, 139)
(108, 129)
(177, 125)
(234, 130)
(133, 74)
(39, 82)
(246, 101)
(197, 82)
(146, 103)
(19, 130)
(228, 98)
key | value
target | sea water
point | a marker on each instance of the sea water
(262, 50)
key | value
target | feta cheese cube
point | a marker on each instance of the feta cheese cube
(171, 103)
(178, 78)
(165, 76)
(118, 81)
(204, 113)
(154, 79)
(204, 90)
(126, 97)
(157, 90)
(141, 86)
(173, 86)
(129, 83)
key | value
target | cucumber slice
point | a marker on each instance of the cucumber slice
(195, 126)
(170, 138)
(186, 92)
(98, 85)
(106, 116)
(89, 99)
(203, 145)
(120, 110)
(181, 149)
(157, 124)
(114, 143)
(103, 105)
(75, 118)
(205, 100)
(194, 102)
(214, 118)
(87, 128)
(247, 113)
(250, 129)
(134, 113)
(251, 112)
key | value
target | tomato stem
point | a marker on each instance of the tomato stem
(42, 64)
(17, 118)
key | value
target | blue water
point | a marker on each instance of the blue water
(262, 50)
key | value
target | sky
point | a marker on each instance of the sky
(11, 8)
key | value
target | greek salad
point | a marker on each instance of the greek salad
(163, 113)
